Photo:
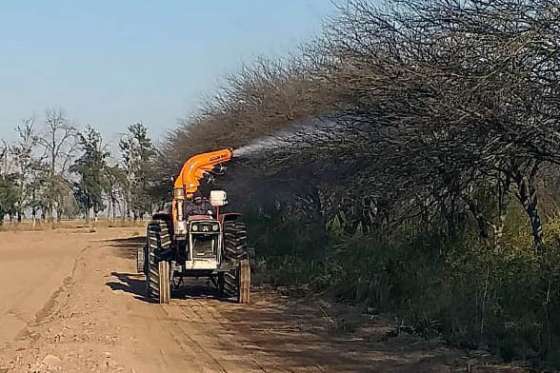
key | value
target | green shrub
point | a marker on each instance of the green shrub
(471, 294)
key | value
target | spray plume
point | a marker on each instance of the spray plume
(297, 134)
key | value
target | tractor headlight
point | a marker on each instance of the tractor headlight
(194, 227)
(215, 227)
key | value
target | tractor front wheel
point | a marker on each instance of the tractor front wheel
(157, 269)
(236, 281)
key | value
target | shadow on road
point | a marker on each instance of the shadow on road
(192, 288)
(126, 247)
(132, 283)
(306, 334)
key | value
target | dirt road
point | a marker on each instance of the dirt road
(72, 302)
(33, 265)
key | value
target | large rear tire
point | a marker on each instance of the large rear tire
(234, 282)
(157, 269)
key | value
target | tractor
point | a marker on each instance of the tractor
(192, 237)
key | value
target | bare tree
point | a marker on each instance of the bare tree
(59, 145)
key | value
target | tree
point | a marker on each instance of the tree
(8, 194)
(36, 189)
(440, 86)
(138, 156)
(91, 168)
(22, 153)
(115, 188)
(58, 143)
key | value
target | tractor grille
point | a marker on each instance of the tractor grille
(204, 246)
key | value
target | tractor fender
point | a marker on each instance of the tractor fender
(230, 216)
(161, 216)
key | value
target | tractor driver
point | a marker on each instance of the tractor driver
(198, 206)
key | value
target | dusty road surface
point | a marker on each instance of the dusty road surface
(33, 265)
(72, 302)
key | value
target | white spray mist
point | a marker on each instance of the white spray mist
(286, 138)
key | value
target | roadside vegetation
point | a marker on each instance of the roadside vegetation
(407, 160)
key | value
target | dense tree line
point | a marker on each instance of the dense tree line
(53, 170)
(408, 159)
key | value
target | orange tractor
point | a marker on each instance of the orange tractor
(193, 238)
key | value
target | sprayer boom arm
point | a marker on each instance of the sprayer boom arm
(188, 181)
(195, 167)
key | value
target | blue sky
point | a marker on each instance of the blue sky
(110, 63)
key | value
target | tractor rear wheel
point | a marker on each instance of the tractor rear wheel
(234, 282)
(157, 269)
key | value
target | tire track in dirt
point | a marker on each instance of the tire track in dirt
(187, 341)
(34, 270)
(56, 298)
(225, 332)
(217, 342)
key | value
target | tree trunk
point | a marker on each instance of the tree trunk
(503, 189)
(479, 218)
(128, 204)
(527, 195)
(124, 210)
(52, 213)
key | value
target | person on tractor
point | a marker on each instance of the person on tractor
(198, 206)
